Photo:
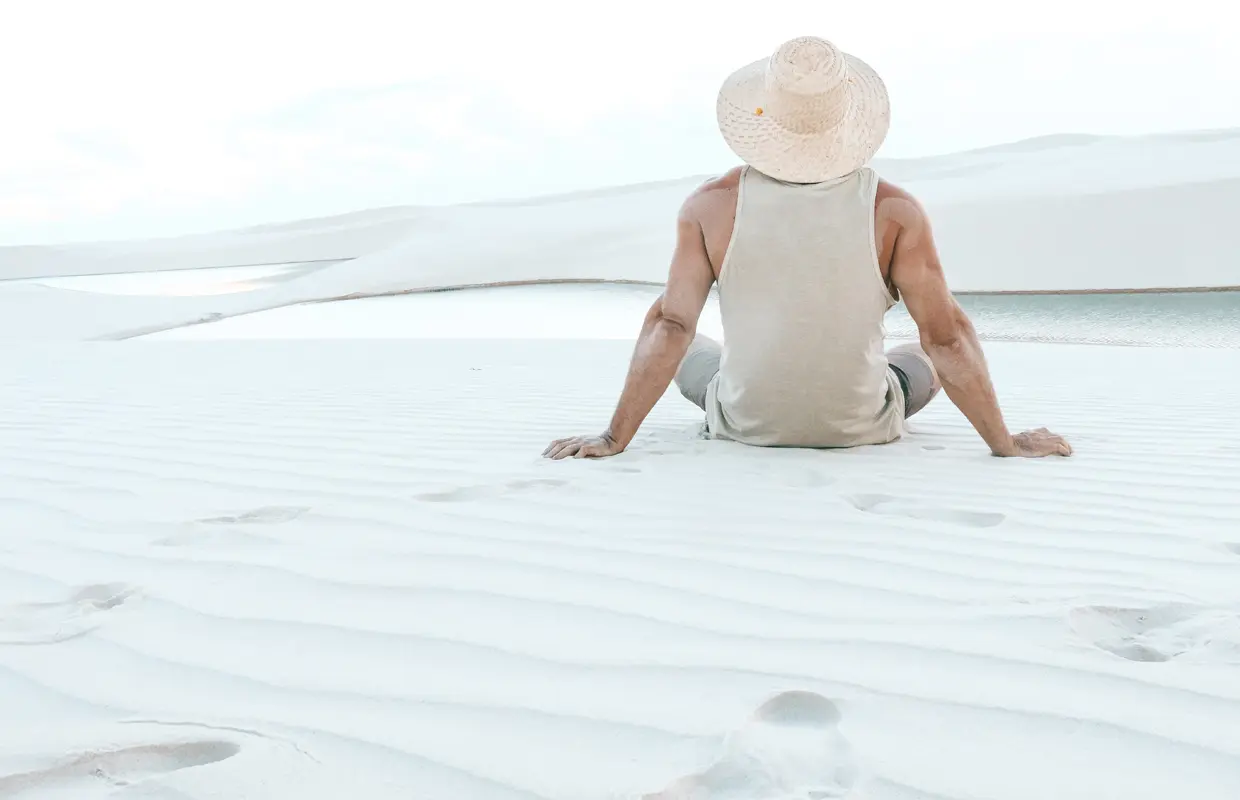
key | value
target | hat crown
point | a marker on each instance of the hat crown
(807, 66)
(807, 85)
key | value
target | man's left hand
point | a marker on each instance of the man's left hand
(583, 447)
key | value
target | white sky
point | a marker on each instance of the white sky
(135, 118)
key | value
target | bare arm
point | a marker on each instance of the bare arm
(948, 336)
(668, 329)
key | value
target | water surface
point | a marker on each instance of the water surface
(602, 311)
(1194, 319)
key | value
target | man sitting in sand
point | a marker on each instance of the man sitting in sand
(810, 249)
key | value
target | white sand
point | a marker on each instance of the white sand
(345, 564)
(276, 567)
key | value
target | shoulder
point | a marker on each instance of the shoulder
(712, 194)
(727, 182)
(896, 206)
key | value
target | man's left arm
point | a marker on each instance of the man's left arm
(668, 329)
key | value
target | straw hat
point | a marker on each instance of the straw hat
(807, 114)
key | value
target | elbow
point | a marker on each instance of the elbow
(952, 336)
(674, 330)
(667, 325)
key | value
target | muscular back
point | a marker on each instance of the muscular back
(714, 206)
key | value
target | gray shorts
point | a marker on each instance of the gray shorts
(912, 368)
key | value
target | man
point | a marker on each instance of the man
(810, 249)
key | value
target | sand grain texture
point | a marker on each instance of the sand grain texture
(260, 569)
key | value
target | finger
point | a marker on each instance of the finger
(565, 449)
(1065, 449)
(588, 451)
(554, 444)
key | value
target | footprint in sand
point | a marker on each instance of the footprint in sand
(267, 515)
(1233, 547)
(223, 529)
(933, 447)
(117, 768)
(467, 493)
(1161, 633)
(49, 623)
(790, 747)
(895, 506)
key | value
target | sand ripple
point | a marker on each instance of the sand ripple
(329, 569)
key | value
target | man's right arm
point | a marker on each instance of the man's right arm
(948, 336)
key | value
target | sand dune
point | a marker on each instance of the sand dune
(1050, 214)
(337, 566)
(246, 568)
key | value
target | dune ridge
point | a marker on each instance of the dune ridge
(1115, 214)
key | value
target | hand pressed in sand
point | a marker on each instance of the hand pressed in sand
(583, 447)
(1038, 443)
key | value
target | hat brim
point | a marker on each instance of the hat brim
(761, 142)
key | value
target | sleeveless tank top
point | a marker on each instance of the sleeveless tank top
(802, 301)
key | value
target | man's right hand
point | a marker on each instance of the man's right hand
(1036, 444)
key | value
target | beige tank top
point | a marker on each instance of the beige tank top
(802, 301)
